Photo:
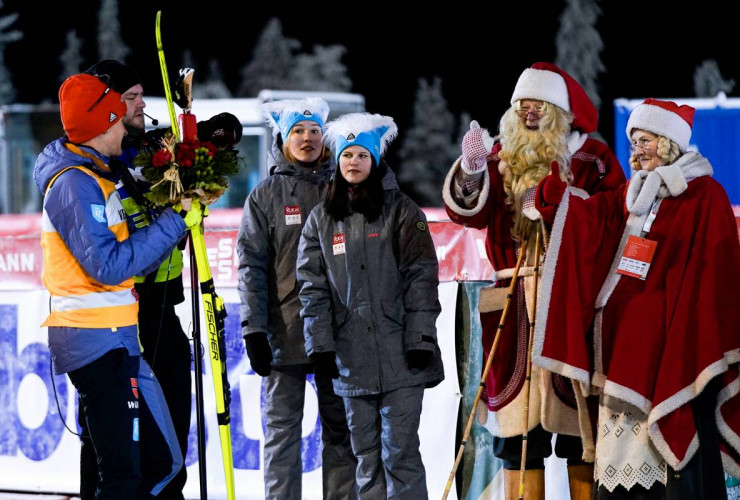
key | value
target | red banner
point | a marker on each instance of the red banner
(461, 251)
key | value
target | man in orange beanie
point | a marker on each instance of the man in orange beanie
(166, 347)
(89, 260)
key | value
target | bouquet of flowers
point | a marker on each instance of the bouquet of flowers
(188, 169)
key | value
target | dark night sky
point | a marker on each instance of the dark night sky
(651, 48)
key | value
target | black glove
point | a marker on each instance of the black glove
(325, 363)
(223, 130)
(259, 352)
(418, 359)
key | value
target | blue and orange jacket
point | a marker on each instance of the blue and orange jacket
(89, 255)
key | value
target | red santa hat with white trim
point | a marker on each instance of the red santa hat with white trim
(546, 82)
(664, 118)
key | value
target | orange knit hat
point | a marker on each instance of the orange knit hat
(89, 107)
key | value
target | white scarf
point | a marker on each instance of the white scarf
(668, 180)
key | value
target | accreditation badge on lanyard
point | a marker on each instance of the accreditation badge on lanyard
(637, 256)
(338, 244)
(292, 215)
(639, 251)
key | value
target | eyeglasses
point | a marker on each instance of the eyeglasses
(106, 80)
(641, 144)
(524, 111)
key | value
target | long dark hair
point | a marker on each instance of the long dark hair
(366, 198)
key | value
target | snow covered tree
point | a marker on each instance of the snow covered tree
(322, 70)
(708, 81)
(272, 60)
(579, 45)
(463, 125)
(213, 87)
(188, 61)
(110, 43)
(426, 150)
(7, 35)
(71, 58)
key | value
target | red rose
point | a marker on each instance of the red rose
(212, 148)
(185, 153)
(161, 158)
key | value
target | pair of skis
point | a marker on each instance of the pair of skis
(214, 310)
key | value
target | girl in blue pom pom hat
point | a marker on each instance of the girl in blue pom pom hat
(369, 277)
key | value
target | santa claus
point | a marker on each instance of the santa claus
(492, 186)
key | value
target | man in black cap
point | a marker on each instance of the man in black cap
(166, 346)
(126, 82)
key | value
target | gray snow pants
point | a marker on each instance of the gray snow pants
(385, 439)
(282, 415)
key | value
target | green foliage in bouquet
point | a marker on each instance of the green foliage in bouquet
(186, 169)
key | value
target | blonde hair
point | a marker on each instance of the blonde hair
(526, 156)
(324, 156)
(668, 151)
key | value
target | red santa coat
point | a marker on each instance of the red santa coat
(595, 169)
(657, 342)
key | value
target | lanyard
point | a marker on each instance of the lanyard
(651, 217)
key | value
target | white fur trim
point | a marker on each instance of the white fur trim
(633, 227)
(729, 465)
(575, 141)
(581, 193)
(542, 85)
(357, 123)
(683, 397)
(450, 201)
(285, 107)
(626, 394)
(665, 451)
(726, 393)
(543, 305)
(660, 121)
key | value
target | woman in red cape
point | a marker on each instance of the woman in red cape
(647, 316)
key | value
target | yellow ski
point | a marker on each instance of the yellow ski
(215, 314)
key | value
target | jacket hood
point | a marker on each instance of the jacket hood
(56, 157)
(389, 180)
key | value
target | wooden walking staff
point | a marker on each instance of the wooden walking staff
(528, 379)
(486, 369)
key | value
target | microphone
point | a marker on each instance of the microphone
(155, 122)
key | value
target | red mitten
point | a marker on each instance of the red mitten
(549, 193)
(476, 146)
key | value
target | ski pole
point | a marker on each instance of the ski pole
(528, 379)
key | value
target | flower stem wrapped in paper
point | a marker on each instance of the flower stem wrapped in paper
(188, 169)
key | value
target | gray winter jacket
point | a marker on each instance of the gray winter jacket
(369, 293)
(267, 245)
